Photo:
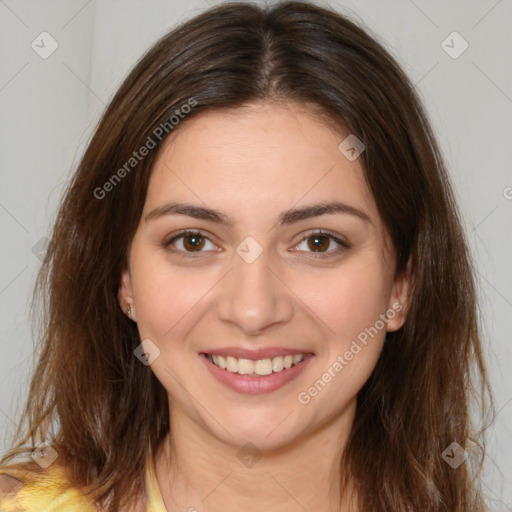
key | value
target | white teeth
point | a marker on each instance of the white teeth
(245, 366)
(231, 364)
(278, 363)
(263, 367)
(297, 358)
(258, 367)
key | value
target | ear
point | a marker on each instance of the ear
(399, 300)
(125, 296)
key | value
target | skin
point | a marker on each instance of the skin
(253, 163)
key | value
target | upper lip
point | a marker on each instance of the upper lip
(255, 354)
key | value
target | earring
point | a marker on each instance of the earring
(129, 310)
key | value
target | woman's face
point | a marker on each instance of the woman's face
(255, 283)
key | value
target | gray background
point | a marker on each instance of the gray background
(50, 107)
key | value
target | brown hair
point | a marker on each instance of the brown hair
(111, 410)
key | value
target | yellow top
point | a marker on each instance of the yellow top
(50, 492)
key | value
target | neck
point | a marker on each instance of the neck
(198, 472)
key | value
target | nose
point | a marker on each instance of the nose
(254, 297)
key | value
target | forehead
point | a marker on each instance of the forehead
(262, 157)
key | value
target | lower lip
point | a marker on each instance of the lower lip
(252, 385)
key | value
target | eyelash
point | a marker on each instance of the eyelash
(167, 244)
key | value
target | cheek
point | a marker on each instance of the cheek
(358, 301)
(349, 299)
(350, 303)
(164, 296)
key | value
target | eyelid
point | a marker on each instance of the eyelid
(339, 239)
(168, 241)
(344, 244)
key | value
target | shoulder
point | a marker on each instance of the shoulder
(28, 490)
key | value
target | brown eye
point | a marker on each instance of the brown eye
(320, 242)
(187, 242)
(193, 242)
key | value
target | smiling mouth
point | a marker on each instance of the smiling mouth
(259, 367)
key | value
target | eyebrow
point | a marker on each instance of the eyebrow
(285, 218)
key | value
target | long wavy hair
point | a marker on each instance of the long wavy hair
(104, 411)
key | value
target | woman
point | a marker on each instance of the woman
(258, 291)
